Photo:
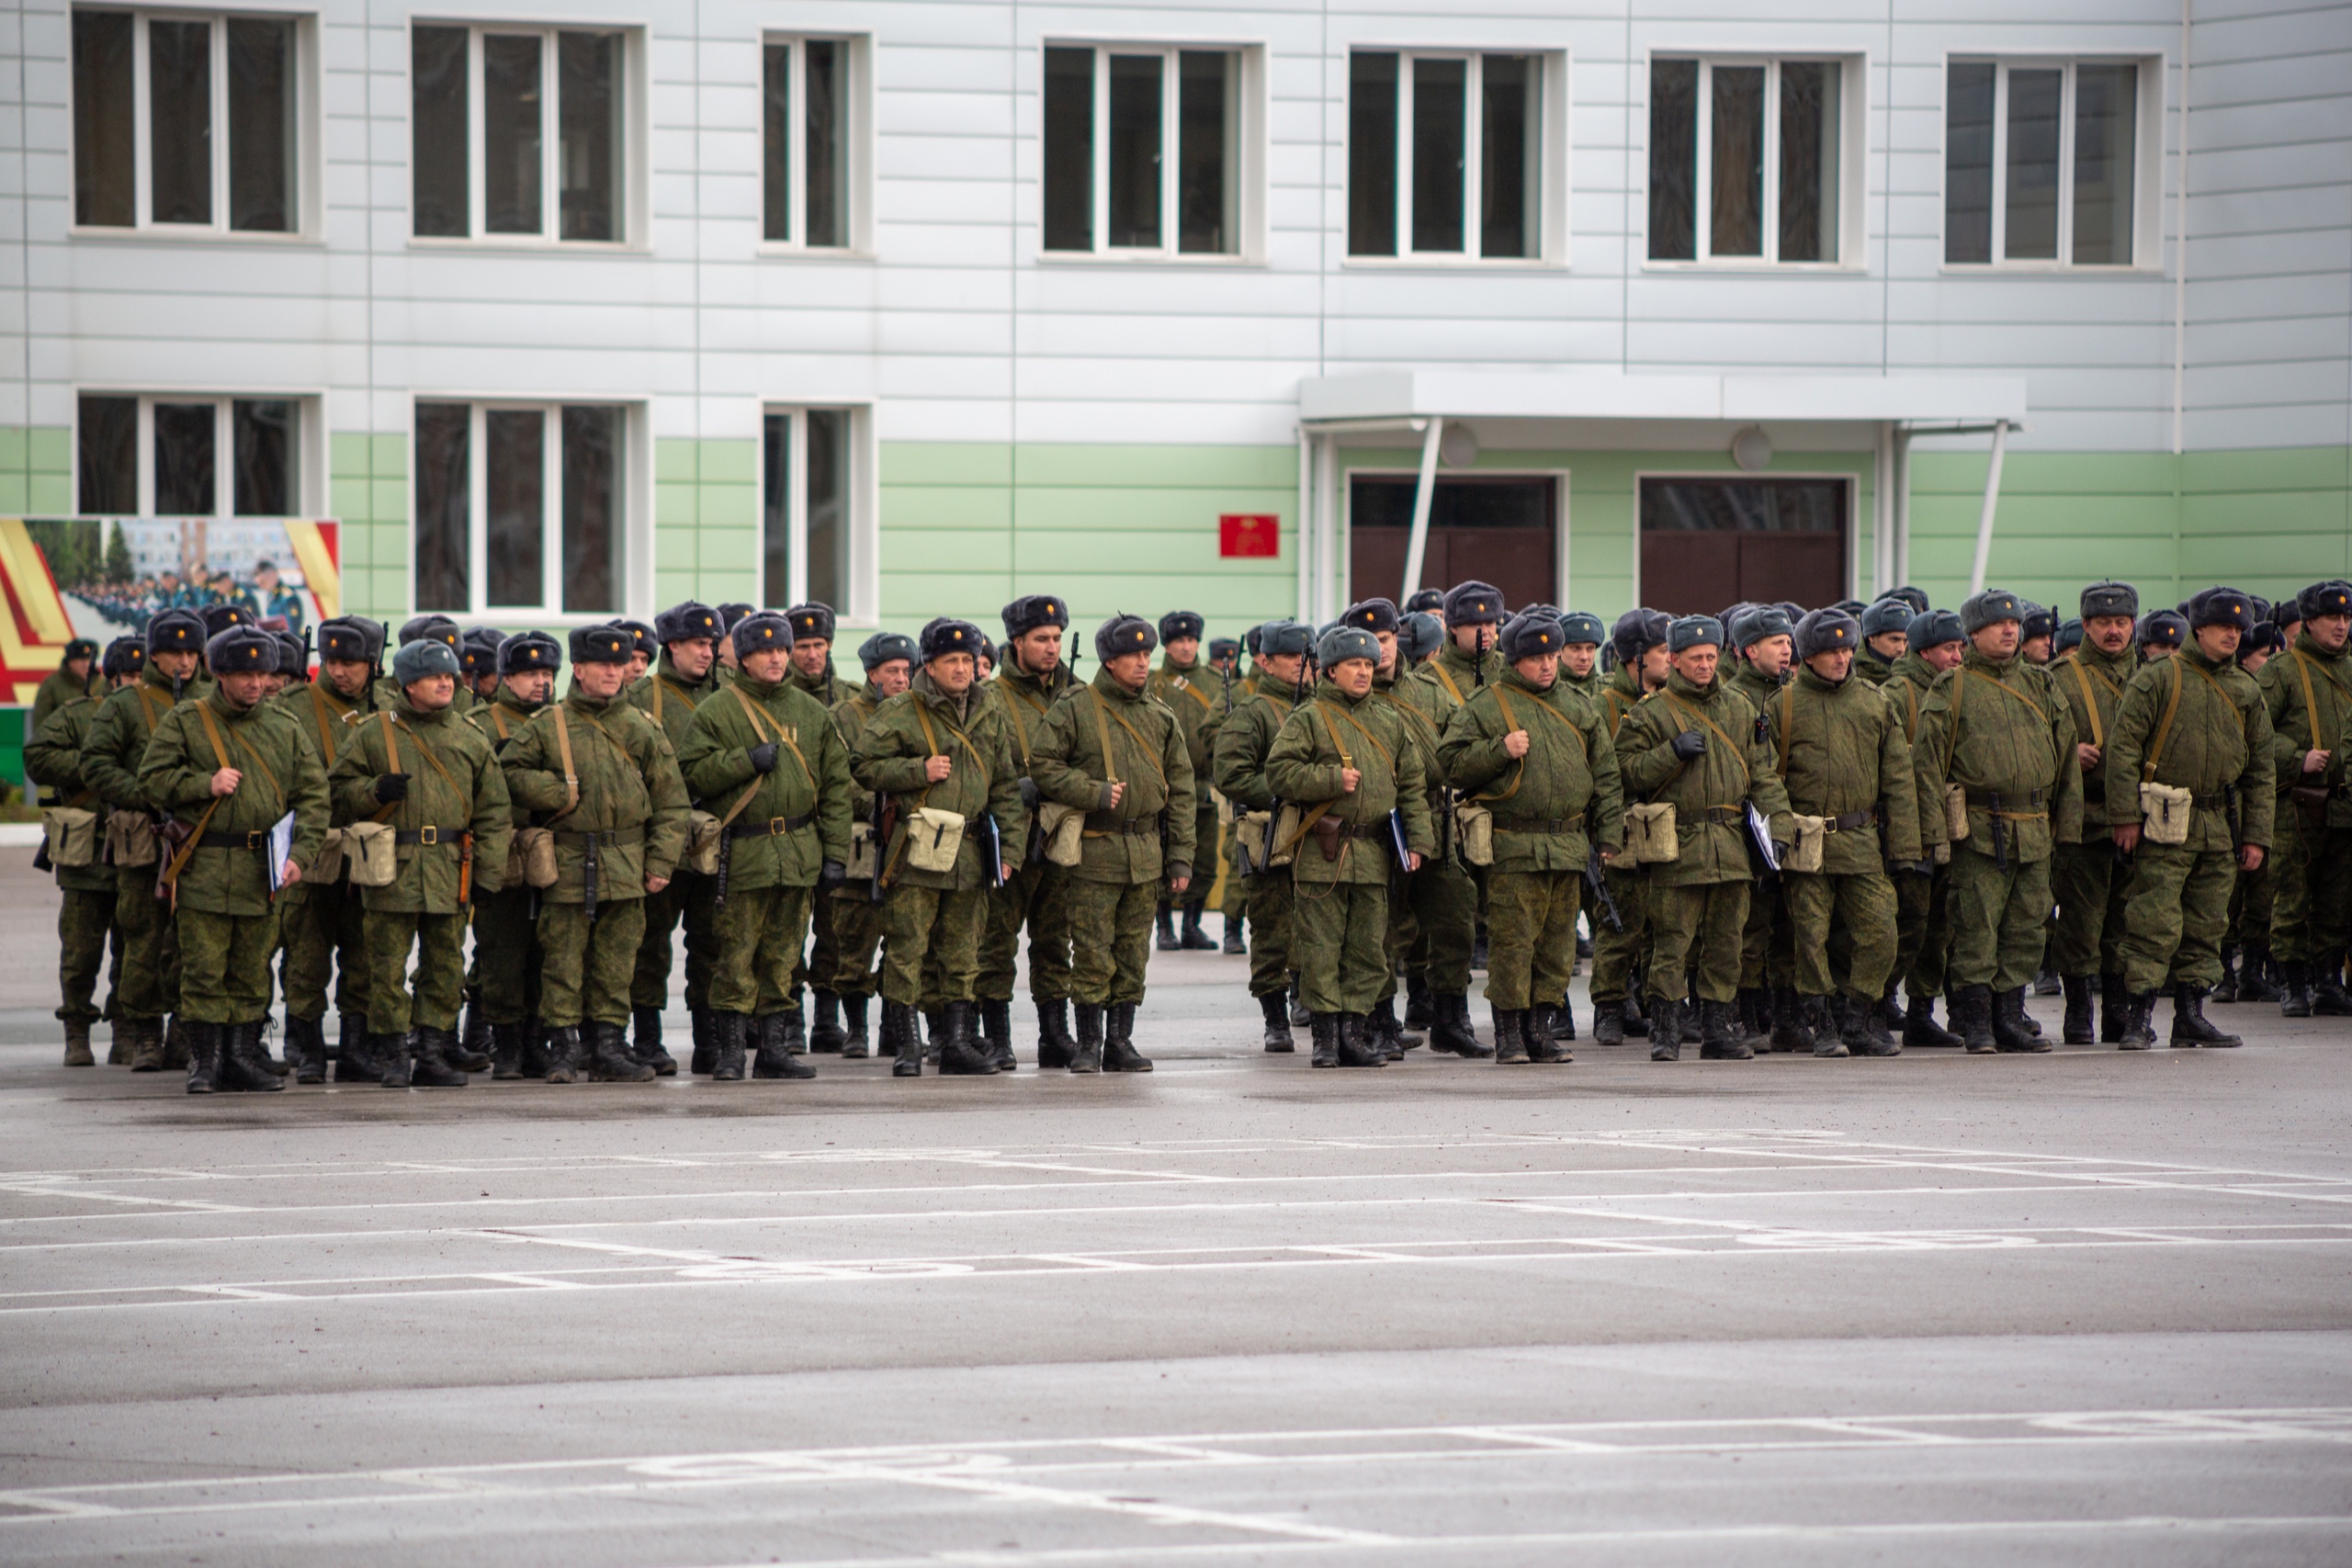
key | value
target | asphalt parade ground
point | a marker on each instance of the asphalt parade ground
(2081, 1308)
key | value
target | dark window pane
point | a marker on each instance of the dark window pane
(1735, 213)
(511, 135)
(516, 505)
(109, 442)
(1508, 159)
(1206, 147)
(1069, 151)
(261, 124)
(1439, 144)
(588, 127)
(1968, 162)
(1453, 503)
(103, 133)
(2106, 126)
(437, 131)
(1135, 150)
(593, 564)
(829, 506)
(1801, 506)
(775, 141)
(1372, 154)
(1674, 159)
(827, 137)
(2033, 206)
(775, 509)
(1809, 161)
(444, 505)
(185, 460)
(262, 431)
(179, 136)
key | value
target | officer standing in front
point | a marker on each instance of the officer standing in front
(2085, 878)
(673, 685)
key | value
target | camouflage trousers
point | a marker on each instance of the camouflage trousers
(397, 1004)
(762, 932)
(2177, 906)
(2090, 886)
(1109, 939)
(1766, 957)
(324, 933)
(151, 952)
(1268, 907)
(1995, 918)
(83, 919)
(1862, 907)
(1037, 897)
(585, 966)
(687, 900)
(1696, 928)
(1235, 904)
(1922, 935)
(1338, 933)
(1434, 925)
(2312, 882)
(1530, 936)
(1614, 953)
(505, 975)
(2251, 908)
(849, 937)
(224, 966)
(936, 924)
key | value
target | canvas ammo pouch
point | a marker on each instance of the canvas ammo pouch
(704, 832)
(1473, 826)
(1651, 837)
(933, 839)
(1063, 827)
(130, 839)
(1804, 854)
(2166, 812)
(326, 866)
(72, 834)
(368, 849)
(1283, 848)
(863, 857)
(537, 847)
(1955, 812)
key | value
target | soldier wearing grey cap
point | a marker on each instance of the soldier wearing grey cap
(684, 671)
(503, 983)
(1194, 694)
(2083, 878)
(1031, 677)
(1243, 738)
(1638, 640)
(1765, 639)
(1886, 626)
(1922, 933)
(848, 922)
(2308, 694)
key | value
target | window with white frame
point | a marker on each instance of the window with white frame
(2040, 161)
(521, 507)
(187, 122)
(183, 455)
(1445, 155)
(1747, 160)
(809, 521)
(1146, 150)
(518, 133)
(810, 160)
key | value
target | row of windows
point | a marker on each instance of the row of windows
(518, 134)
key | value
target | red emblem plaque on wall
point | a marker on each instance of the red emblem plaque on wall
(1249, 534)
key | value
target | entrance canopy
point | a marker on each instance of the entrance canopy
(1582, 409)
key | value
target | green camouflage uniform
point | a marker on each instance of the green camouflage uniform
(1922, 924)
(1194, 694)
(848, 921)
(504, 977)
(1129, 851)
(631, 812)
(1242, 742)
(783, 825)
(1038, 895)
(1874, 666)
(2083, 878)
(1999, 729)
(1700, 899)
(86, 893)
(1439, 915)
(1339, 918)
(59, 687)
(2311, 916)
(112, 749)
(226, 916)
(1615, 952)
(2202, 727)
(665, 696)
(1552, 808)
(939, 915)
(455, 790)
(323, 923)
(1765, 955)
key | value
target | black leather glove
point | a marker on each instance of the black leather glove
(763, 757)
(391, 788)
(1029, 794)
(832, 873)
(1689, 745)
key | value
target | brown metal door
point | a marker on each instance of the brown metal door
(1709, 542)
(1499, 530)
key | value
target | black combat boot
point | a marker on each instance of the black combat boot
(506, 1052)
(2010, 1033)
(1510, 1044)
(1972, 1015)
(855, 1047)
(795, 1025)
(2190, 1027)
(1637, 1016)
(78, 1043)
(351, 1031)
(1719, 1035)
(1891, 1012)
(772, 1055)
(1752, 1006)
(2294, 993)
(960, 1053)
(1297, 1005)
(1535, 1029)
(2046, 982)
(1357, 1047)
(647, 1047)
(2329, 999)
(1666, 1030)
(473, 1037)
(1195, 939)
(203, 1057)
(609, 1059)
(995, 1036)
(1920, 1029)
(1233, 944)
(567, 1055)
(2227, 989)
(146, 1042)
(705, 1053)
(174, 1048)
(1608, 1022)
(1827, 1041)
(728, 1031)
(389, 1054)
(1451, 1029)
(934, 1030)
(2254, 971)
(899, 1039)
(432, 1060)
(1276, 1008)
(2114, 1009)
(1054, 1046)
(537, 1056)
(1324, 1040)
(2139, 1025)
(825, 1031)
(1791, 1031)
(1387, 1033)
(1167, 922)
(1419, 1012)
(245, 1062)
(1860, 1029)
(1564, 1019)
(2079, 1027)
(258, 1054)
(1119, 1053)
(1087, 1058)
(306, 1042)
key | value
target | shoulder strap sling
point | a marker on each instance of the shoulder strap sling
(751, 709)
(1736, 754)
(1102, 732)
(147, 701)
(2164, 727)
(2090, 702)
(1518, 773)
(325, 713)
(1789, 721)
(1438, 669)
(2311, 706)
(570, 773)
(498, 719)
(2002, 686)
(1193, 691)
(187, 851)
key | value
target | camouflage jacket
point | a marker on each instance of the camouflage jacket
(2194, 725)
(809, 782)
(53, 760)
(1840, 749)
(1104, 734)
(630, 796)
(2092, 684)
(117, 739)
(669, 699)
(1242, 742)
(888, 757)
(278, 772)
(1332, 730)
(2304, 677)
(1710, 793)
(455, 788)
(1194, 694)
(2000, 727)
(1552, 806)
